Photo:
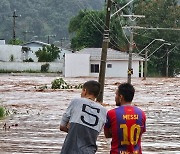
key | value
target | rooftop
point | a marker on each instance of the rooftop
(95, 54)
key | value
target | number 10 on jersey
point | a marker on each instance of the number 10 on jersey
(133, 135)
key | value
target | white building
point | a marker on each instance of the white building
(87, 63)
(30, 48)
(34, 46)
(10, 53)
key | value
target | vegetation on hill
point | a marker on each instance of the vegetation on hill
(40, 17)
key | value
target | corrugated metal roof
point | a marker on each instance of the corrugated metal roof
(95, 54)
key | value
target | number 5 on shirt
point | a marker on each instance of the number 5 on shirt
(84, 109)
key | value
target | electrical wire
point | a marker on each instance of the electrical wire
(81, 7)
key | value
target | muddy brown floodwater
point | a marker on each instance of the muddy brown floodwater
(33, 124)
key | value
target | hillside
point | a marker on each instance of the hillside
(41, 17)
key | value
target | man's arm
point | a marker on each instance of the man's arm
(107, 132)
(64, 125)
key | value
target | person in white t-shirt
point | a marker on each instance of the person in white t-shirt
(83, 121)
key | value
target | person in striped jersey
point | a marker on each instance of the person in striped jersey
(126, 123)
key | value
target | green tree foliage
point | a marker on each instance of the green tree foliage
(15, 42)
(48, 53)
(162, 14)
(87, 31)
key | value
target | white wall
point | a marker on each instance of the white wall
(77, 65)
(136, 68)
(119, 69)
(7, 50)
(26, 66)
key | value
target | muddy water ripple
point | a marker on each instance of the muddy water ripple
(33, 126)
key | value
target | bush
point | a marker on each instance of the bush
(61, 84)
(11, 58)
(45, 67)
(48, 53)
(2, 112)
(28, 60)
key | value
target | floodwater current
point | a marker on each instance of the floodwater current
(33, 123)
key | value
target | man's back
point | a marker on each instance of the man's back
(127, 123)
(86, 121)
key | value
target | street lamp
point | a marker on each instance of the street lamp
(158, 49)
(146, 51)
(146, 57)
(150, 44)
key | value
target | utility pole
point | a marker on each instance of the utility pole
(104, 51)
(167, 64)
(62, 41)
(145, 64)
(49, 37)
(132, 23)
(14, 26)
(167, 60)
(130, 70)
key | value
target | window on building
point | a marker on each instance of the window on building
(94, 68)
(109, 65)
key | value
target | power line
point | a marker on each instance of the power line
(99, 25)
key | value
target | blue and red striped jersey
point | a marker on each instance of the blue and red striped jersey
(127, 124)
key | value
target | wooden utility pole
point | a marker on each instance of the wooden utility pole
(145, 64)
(14, 26)
(130, 70)
(104, 51)
(167, 64)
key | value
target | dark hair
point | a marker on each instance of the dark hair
(93, 87)
(127, 90)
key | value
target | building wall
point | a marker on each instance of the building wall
(27, 66)
(118, 69)
(77, 65)
(7, 50)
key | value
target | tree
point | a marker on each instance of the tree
(48, 53)
(162, 14)
(87, 30)
(16, 42)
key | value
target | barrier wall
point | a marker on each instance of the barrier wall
(30, 66)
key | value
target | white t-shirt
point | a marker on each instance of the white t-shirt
(86, 119)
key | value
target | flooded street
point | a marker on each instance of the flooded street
(33, 124)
